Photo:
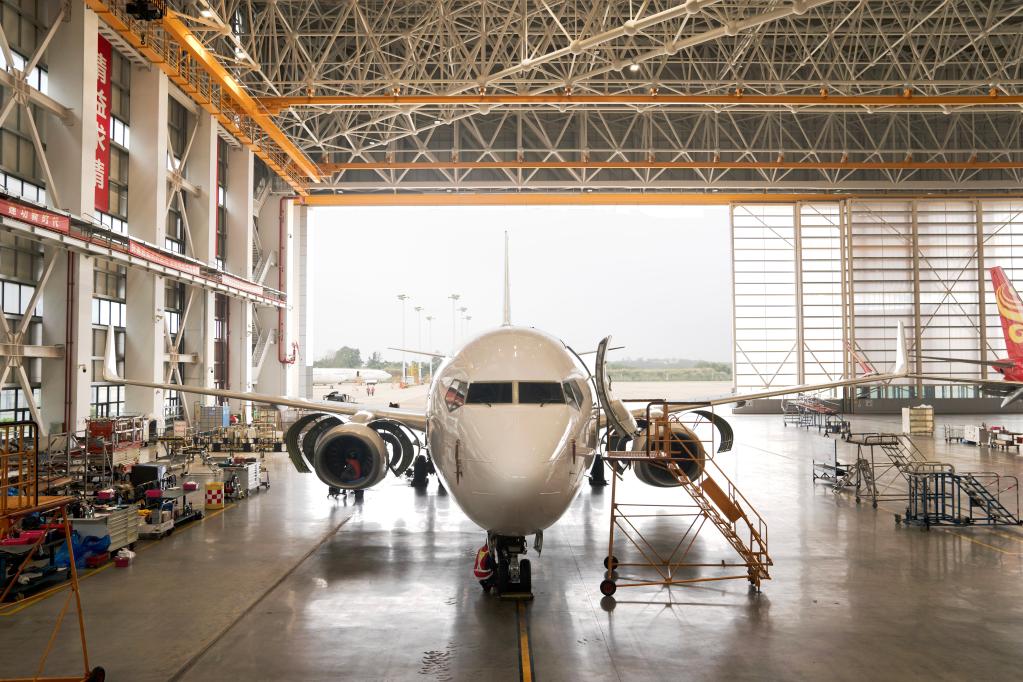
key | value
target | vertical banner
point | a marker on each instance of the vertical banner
(102, 168)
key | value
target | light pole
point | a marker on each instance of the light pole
(429, 341)
(454, 341)
(463, 310)
(403, 298)
(419, 342)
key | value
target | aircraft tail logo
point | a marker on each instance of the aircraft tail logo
(1010, 309)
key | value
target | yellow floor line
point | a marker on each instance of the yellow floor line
(525, 656)
(19, 606)
(978, 542)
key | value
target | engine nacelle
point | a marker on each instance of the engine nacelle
(350, 456)
(686, 449)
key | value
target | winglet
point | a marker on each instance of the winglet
(110, 359)
(507, 285)
(901, 367)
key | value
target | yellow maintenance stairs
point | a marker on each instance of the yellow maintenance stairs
(668, 561)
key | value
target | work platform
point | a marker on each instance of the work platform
(683, 445)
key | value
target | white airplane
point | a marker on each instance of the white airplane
(343, 375)
(510, 426)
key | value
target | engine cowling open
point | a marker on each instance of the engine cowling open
(351, 456)
(686, 449)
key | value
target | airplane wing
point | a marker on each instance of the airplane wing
(1002, 388)
(900, 370)
(413, 419)
(989, 363)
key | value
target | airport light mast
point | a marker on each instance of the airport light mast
(429, 341)
(403, 298)
(419, 342)
(454, 320)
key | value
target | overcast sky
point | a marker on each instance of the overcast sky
(656, 278)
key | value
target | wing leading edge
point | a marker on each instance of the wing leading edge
(411, 418)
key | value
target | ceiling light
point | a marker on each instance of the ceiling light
(634, 67)
(206, 13)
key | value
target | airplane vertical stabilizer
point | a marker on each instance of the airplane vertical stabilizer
(1010, 309)
(507, 286)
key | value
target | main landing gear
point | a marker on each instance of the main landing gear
(513, 575)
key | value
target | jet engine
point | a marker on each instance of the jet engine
(686, 449)
(351, 456)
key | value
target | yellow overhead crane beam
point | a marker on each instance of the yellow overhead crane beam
(907, 164)
(906, 98)
(177, 52)
(607, 198)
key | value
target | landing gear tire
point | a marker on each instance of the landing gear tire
(502, 583)
(525, 576)
(420, 471)
(608, 587)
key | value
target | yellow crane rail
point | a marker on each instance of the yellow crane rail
(173, 49)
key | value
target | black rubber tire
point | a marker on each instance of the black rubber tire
(614, 562)
(608, 587)
(525, 576)
(97, 674)
(501, 577)
(420, 472)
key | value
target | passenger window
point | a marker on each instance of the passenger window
(489, 392)
(540, 393)
(573, 394)
(455, 395)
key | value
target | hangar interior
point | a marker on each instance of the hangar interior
(158, 165)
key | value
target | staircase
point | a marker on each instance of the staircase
(980, 496)
(902, 452)
(742, 527)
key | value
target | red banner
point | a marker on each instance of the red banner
(102, 169)
(26, 214)
(242, 284)
(154, 256)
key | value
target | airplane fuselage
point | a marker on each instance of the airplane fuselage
(510, 428)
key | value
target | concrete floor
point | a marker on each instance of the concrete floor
(288, 585)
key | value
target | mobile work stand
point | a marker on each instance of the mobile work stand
(938, 496)
(19, 481)
(674, 447)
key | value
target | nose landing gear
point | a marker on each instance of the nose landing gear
(514, 576)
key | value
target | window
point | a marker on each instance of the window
(221, 319)
(573, 393)
(455, 396)
(16, 186)
(540, 393)
(221, 245)
(14, 406)
(489, 392)
(107, 401)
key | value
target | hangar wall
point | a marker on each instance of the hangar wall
(186, 261)
(820, 287)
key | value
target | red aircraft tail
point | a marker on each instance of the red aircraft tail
(1010, 309)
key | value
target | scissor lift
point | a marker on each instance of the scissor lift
(713, 499)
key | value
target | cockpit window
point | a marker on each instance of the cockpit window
(455, 395)
(540, 393)
(573, 394)
(489, 392)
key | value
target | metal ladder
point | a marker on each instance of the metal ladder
(981, 496)
(903, 453)
(722, 508)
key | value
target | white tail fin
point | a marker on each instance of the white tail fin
(901, 359)
(507, 285)
(110, 358)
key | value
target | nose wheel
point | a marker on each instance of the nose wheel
(514, 576)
